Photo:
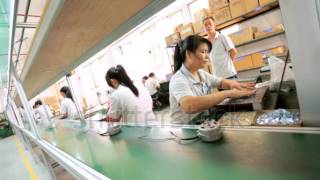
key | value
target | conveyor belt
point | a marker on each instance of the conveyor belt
(239, 155)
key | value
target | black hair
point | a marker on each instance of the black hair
(208, 17)
(191, 43)
(145, 77)
(120, 74)
(38, 102)
(67, 92)
(151, 74)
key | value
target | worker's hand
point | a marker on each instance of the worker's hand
(242, 86)
(236, 93)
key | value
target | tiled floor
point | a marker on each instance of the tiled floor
(17, 163)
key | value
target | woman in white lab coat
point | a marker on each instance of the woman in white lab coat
(129, 102)
(68, 108)
(43, 111)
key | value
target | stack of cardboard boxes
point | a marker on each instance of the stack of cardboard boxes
(243, 63)
(225, 10)
(221, 11)
(186, 30)
(244, 35)
(266, 2)
(172, 38)
(269, 31)
(251, 33)
(240, 7)
(198, 17)
(53, 103)
(217, 4)
(255, 60)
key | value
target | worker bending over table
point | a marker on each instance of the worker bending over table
(129, 102)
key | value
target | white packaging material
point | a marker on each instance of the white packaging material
(276, 70)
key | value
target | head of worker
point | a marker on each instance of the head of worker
(144, 79)
(66, 93)
(209, 25)
(152, 75)
(193, 52)
(38, 103)
(118, 76)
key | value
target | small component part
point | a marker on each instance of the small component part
(112, 130)
(210, 131)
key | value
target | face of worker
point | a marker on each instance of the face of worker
(62, 94)
(200, 57)
(114, 83)
(209, 26)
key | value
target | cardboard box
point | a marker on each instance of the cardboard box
(237, 8)
(221, 15)
(278, 50)
(251, 5)
(257, 60)
(178, 28)
(243, 63)
(217, 4)
(246, 34)
(208, 67)
(234, 38)
(173, 38)
(52, 102)
(186, 31)
(240, 7)
(168, 40)
(269, 31)
(200, 15)
(275, 51)
(198, 27)
(265, 2)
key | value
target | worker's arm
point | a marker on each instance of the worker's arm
(64, 111)
(64, 115)
(192, 104)
(232, 84)
(233, 53)
(115, 111)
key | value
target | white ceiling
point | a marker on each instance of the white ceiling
(35, 10)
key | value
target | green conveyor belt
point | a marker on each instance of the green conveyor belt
(239, 155)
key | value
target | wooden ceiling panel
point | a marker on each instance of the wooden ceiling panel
(80, 25)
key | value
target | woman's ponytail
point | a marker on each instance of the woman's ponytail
(178, 56)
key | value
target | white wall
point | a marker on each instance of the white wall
(302, 21)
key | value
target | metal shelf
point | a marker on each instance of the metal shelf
(258, 11)
(261, 38)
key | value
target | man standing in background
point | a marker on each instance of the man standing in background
(152, 85)
(223, 51)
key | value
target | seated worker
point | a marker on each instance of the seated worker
(129, 103)
(152, 85)
(68, 107)
(190, 87)
(41, 109)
